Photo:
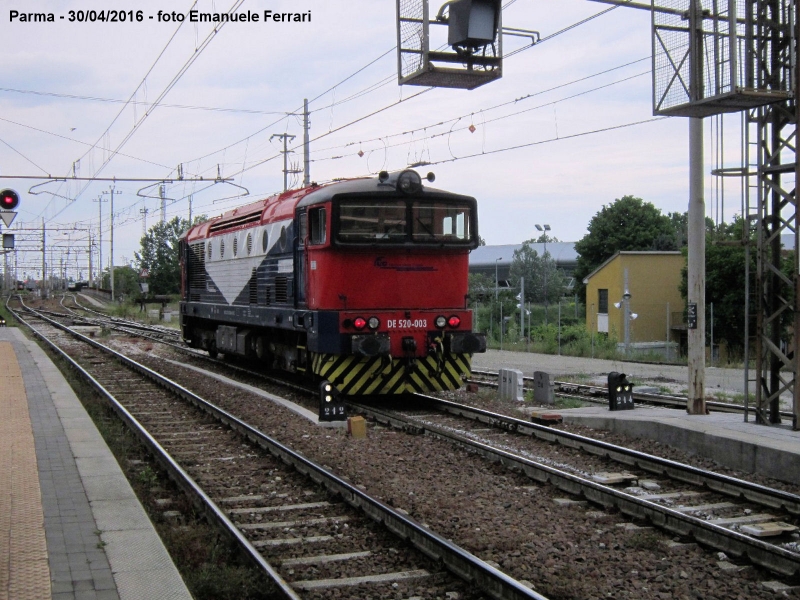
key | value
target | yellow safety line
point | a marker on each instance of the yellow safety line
(24, 570)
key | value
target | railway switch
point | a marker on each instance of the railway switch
(620, 392)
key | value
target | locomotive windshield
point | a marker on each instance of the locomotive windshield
(418, 221)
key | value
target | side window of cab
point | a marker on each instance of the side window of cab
(317, 226)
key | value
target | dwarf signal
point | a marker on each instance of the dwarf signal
(620, 392)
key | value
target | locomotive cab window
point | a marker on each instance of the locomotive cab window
(440, 222)
(317, 224)
(372, 221)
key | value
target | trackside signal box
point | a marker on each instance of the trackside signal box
(331, 403)
(620, 392)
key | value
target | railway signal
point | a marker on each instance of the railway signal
(9, 199)
(331, 403)
(473, 24)
(620, 392)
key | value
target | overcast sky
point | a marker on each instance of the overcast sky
(63, 112)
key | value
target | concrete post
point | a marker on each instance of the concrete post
(697, 271)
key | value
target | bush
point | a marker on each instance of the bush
(575, 341)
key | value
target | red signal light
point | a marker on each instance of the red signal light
(9, 199)
(454, 321)
(359, 323)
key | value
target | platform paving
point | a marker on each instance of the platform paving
(770, 450)
(75, 529)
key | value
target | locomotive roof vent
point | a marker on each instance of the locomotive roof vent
(408, 181)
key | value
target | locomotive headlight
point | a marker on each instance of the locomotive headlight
(359, 323)
(409, 182)
(454, 321)
(374, 322)
(440, 322)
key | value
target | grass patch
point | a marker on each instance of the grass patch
(570, 403)
(737, 398)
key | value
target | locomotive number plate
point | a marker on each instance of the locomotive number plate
(407, 323)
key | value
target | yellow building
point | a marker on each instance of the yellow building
(655, 303)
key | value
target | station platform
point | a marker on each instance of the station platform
(769, 450)
(71, 527)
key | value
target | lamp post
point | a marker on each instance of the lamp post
(491, 320)
(496, 281)
(544, 228)
(627, 315)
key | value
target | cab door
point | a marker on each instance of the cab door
(300, 258)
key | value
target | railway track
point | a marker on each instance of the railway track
(736, 517)
(313, 533)
(153, 332)
(599, 395)
(690, 503)
(724, 513)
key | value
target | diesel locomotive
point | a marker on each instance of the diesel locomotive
(360, 284)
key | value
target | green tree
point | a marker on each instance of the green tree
(540, 273)
(725, 284)
(629, 223)
(126, 281)
(161, 257)
(481, 287)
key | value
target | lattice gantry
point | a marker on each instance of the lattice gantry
(716, 56)
(417, 64)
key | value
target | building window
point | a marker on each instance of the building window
(602, 301)
(602, 311)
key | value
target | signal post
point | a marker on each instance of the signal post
(9, 200)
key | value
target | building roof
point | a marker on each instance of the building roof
(563, 253)
(630, 252)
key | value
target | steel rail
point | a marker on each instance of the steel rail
(771, 557)
(458, 561)
(716, 482)
(176, 472)
(120, 322)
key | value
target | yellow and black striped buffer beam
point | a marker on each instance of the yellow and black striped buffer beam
(361, 375)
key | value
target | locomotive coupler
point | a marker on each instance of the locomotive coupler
(410, 350)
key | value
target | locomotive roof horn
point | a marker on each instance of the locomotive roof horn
(407, 181)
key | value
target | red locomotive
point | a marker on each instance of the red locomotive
(361, 283)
